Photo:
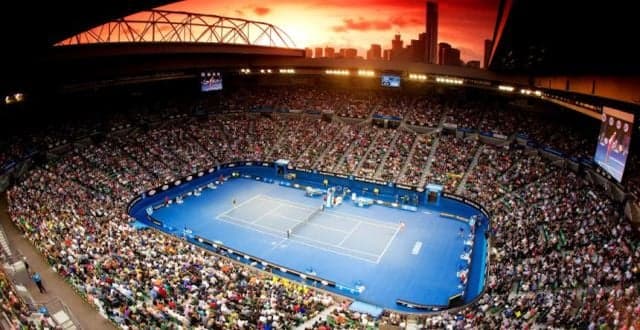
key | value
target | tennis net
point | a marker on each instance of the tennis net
(293, 229)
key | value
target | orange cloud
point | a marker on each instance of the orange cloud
(261, 11)
(358, 23)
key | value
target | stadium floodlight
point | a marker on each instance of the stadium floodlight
(337, 72)
(451, 81)
(366, 73)
(538, 93)
(417, 76)
(506, 88)
(287, 71)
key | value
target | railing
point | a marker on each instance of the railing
(54, 307)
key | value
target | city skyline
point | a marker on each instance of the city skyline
(464, 24)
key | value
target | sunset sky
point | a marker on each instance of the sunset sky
(465, 24)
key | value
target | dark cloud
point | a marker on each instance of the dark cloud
(261, 11)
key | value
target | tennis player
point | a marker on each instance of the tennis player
(611, 144)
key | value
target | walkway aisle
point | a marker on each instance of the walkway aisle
(320, 317)
(87, 315)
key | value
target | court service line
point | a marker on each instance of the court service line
(239, 205)
(267, 213)
(278, 244)
(236, 219)
(251, 224)
(248, 225)
(366, 220)
(306, 238)
(251, 227)
(388, 244)
(336, 246)
(289, 203)
(336, 214)
(314, 224)
(353, 230)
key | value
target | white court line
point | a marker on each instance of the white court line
(336, 214)
(252, 227)
(353, 230)
(306, 237)
(239, 205)
(368, 221)
(314, 224)
(234, 219)
(388, 244)
(331, 213)
(290, 219)
(267, 213)
(278, 244)
(291, 204)
(339, 247)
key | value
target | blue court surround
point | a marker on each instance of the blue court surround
(348, 246)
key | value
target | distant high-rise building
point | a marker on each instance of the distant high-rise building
(431, 46)
(386, 55)
(374, 52)
(453, 57)
(329, 52)
(350, 53)
(318, 53)
(396, 47)
(443, 48)
(488, 46)
(416, 49)
(308, 52)
(448, 55)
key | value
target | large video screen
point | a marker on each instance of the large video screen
(388, 80)
(613, 142)
(210, 81)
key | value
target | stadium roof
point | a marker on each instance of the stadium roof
(29, 27)
(566, 37)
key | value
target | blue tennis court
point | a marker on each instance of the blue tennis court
(336, 232)
(358, 247)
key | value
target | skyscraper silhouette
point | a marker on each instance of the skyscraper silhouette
(431, 46)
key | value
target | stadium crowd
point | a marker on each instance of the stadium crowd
(563, 255)
(12, 307)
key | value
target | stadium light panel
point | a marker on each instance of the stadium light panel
(366, 73)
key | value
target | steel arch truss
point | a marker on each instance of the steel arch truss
(175, 26)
